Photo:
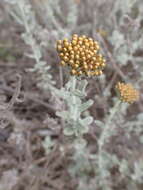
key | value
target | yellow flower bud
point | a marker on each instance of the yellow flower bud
(126, 92)
(81, 55)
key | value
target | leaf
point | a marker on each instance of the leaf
(68, 131)
(79, 93)
(62, 93)
(83, 129)
(82, 85)
(70, 83)
(99, 123)
(76, 102)
(117, 37)
(80, 143)
(123, 168)
(40, 64)
(85, 105)
(138, 171)
(63, 114)
(86, 121)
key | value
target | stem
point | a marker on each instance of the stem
(103, 138)
(107, 126)
(29, 33)
(74, 107)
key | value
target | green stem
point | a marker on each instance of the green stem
(74, 109)
(29, 33)
(103, 138)
(107, 126)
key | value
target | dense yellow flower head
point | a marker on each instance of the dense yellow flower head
(81, 55)
(127, 93)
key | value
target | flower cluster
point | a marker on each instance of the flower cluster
(81, 55)
(126, 92)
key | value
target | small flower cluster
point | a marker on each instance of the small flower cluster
(126, 92)
(81, 55)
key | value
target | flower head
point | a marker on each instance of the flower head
(81, 55)
(126, 92)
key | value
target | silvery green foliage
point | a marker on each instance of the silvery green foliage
(135, 127)
(81, 164)
(106, 161)
(24, 15)
(108, 129)
(127, 36)
(138, 171)
(60, 17)
(134, 172)
(124, 168)
(87, 163)
(73, 94)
